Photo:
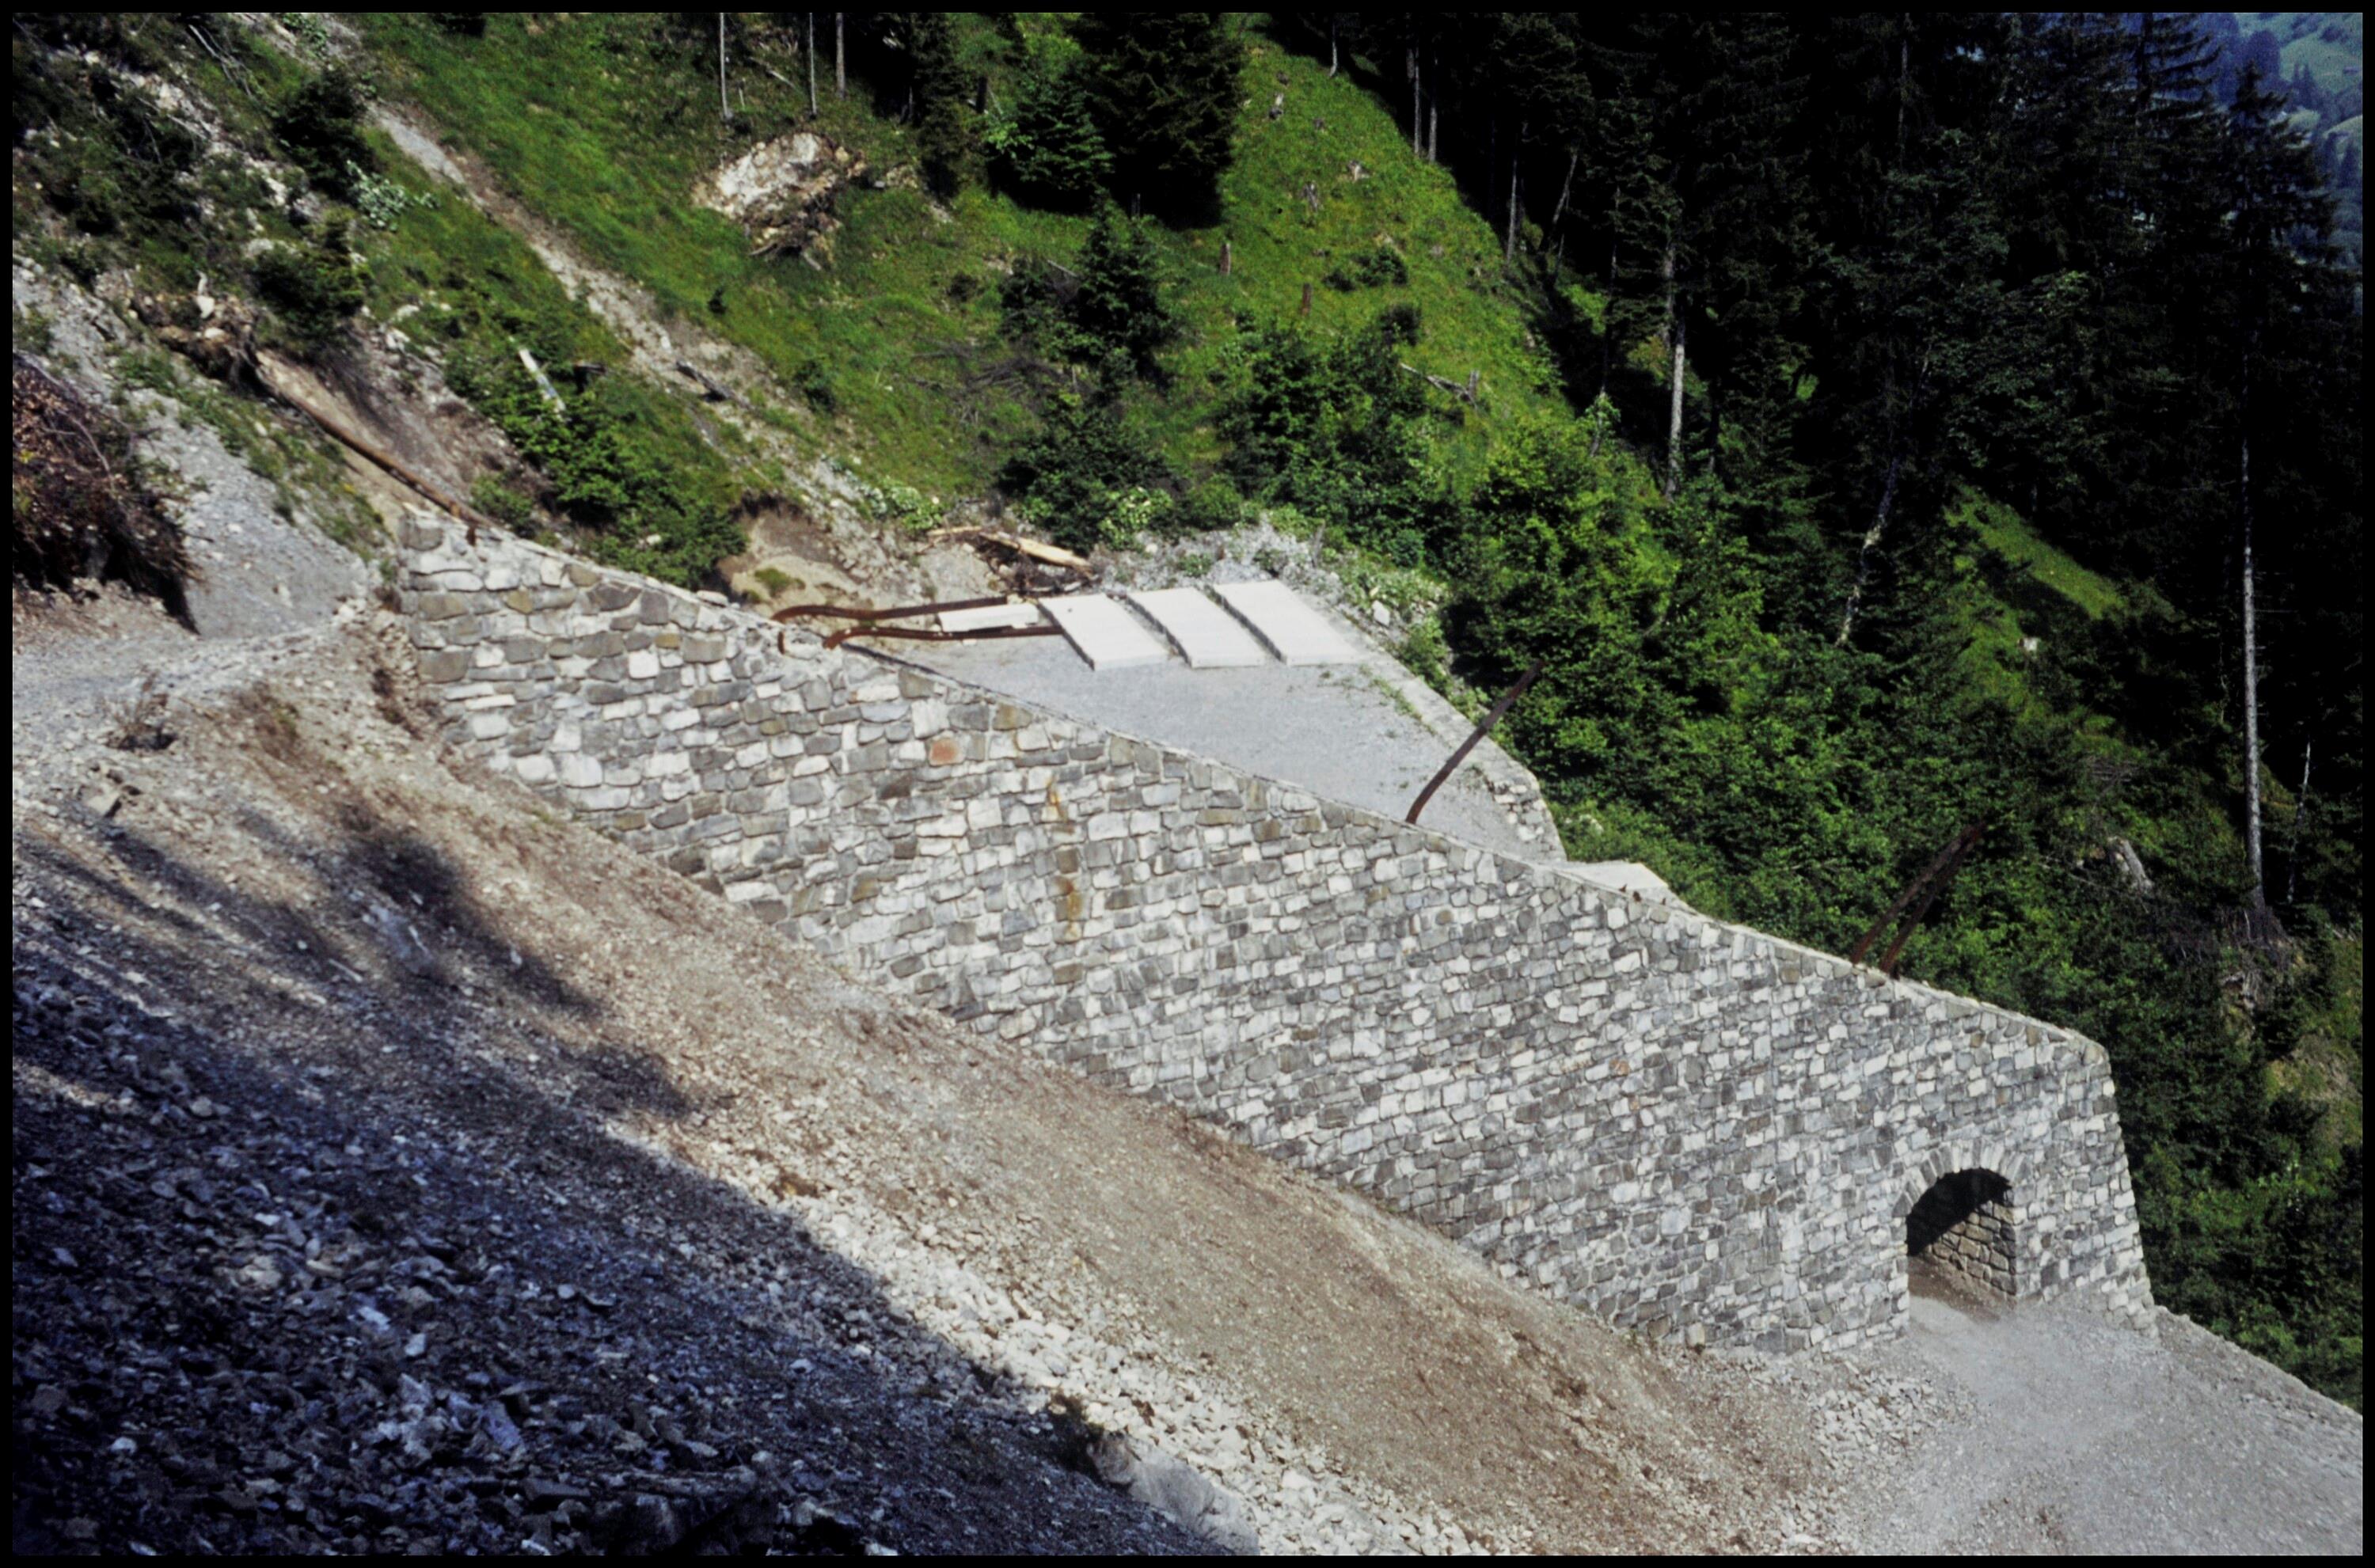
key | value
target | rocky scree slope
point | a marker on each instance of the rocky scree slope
(399, 1167)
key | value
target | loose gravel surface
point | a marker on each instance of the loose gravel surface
(2069, 1433)
(397, 1166)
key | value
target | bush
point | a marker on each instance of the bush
(1109, 313)
(809, 379)
(610, 466)
(78, 510)
(1376, 267)
(1162, 89)
(1120, 305)
(320, 126)
(1338, 430)
(382, 201)
(1046, 149)
(1212, 507)
(1085, 477)
(114, 161)
(312, 288)
(502, 503)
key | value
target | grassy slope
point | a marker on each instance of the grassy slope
(605, 135)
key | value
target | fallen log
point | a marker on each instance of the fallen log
(1032, 548)
(375, 454)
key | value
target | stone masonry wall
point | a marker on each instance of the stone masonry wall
(1679, 1125)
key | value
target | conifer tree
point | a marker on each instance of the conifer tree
(1164, 89)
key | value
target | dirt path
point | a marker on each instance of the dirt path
(2072, 1434)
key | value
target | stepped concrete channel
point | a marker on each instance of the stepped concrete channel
(1682, 1125)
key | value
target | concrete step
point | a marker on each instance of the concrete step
(1206, 635)
(1286, 625)
(1104, 632)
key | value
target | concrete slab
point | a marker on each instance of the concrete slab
(989, 617)
(1105, 633)
(1206, 635)
(1289, 627)
(1336, 730)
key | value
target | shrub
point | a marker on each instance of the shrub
(610, 466)
(1213, 506)
(502, 503)
(1084, 475)
(114, 162)
(1338, 432)
(1108, 313)
(1045, 149)
(814, 386)
(1162, 89)
(312, 288)
(76, 506)
(1376, 267)
(1120, 305)
(381, 200)
(319, 124)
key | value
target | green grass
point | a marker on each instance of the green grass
(2005, 531)
(597, 127)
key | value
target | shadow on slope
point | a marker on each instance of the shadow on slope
(420, 1009)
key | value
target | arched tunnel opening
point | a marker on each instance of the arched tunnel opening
(1959, 1237)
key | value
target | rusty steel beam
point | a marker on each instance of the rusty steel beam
(928, 634)
(898, 612)
(1913, 903)
(1484, 729)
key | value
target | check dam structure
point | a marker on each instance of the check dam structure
(1680, 1125)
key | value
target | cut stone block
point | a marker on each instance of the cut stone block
(1105, 633)
(990, 617)
(1207, 635)
(1292, 629)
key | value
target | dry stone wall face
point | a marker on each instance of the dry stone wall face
(1679, 1125)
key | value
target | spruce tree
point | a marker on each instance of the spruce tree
(1162, 87)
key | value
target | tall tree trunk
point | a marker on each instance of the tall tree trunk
(1517, 163)
(1492, 157)
(1608, 328)
(1566, 189)
(2250, 689)
(1331, 46)
(812, 101)
(724, 110)
(1418, 111)
(841, 54)
(1872, 538)
(1676, 326)
(1434, 105)
(2301, 826)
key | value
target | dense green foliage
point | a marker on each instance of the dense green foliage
(1162, 88)
(319, 125)
(1046, 148)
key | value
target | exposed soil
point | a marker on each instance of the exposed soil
(297, 916)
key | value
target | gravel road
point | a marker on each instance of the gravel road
(2075, 1435)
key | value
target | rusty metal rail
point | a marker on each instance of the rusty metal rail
(930, 634)
(1906, 912)
(897, 612)
(871, 623)
(1484, 729)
